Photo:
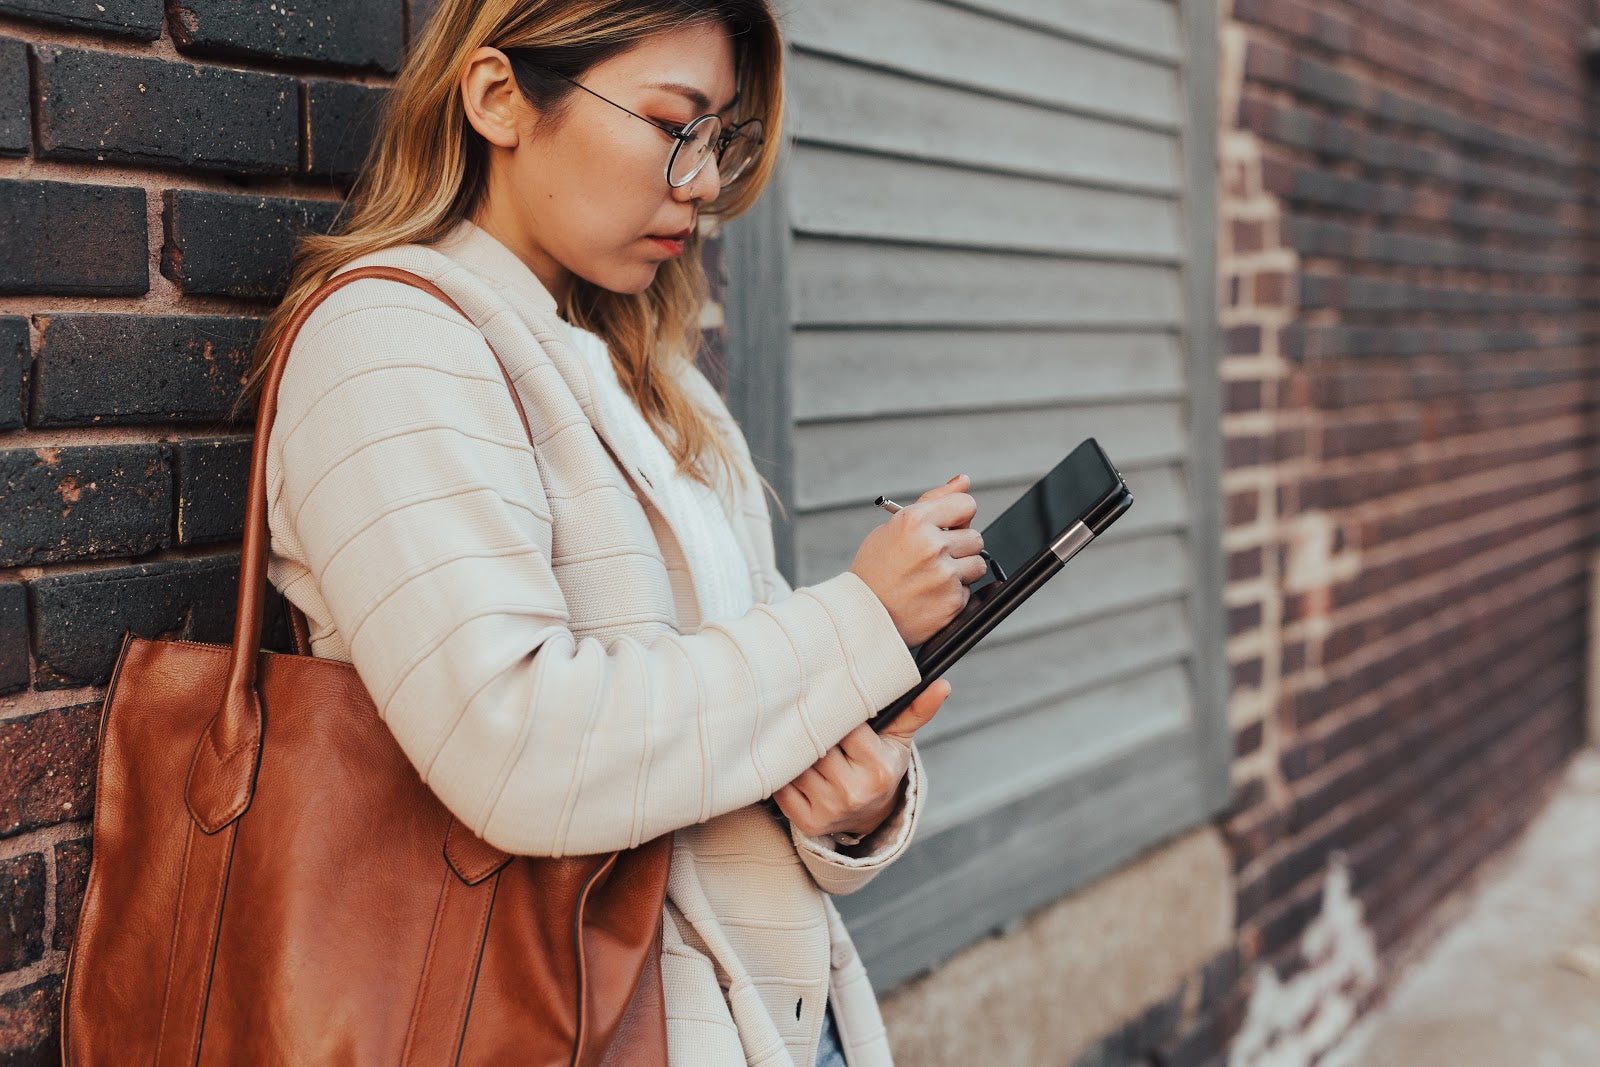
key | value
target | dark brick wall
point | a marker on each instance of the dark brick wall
(157, 162)
(148, 210)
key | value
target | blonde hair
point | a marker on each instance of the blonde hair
(427, 170)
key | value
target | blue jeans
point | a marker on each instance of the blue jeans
(829, 1051)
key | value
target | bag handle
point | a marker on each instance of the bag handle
(223, 771)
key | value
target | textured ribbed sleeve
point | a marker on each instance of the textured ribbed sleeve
(405, 483)
(839, 873)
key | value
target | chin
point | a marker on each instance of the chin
(625, 280)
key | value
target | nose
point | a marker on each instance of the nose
(705, 186)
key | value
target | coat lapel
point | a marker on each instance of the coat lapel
(499, 267)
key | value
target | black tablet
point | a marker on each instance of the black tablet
(1030, 541)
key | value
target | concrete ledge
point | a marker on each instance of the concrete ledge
(1076, 970)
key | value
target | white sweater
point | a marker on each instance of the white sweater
(528, 624)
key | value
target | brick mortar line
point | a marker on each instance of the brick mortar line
(166, 49)
(1498, 284)
(186, 305)
(1432, 90)
(1454, 447)
(1278, 257)
(1243, 646)
(1501, 161)
(1452, 534)
(1453, 826)
(1550, 575)
(1353, 807)
(209, 550)
(1244, 592)
(1315, 632)
(1396, 30)
(1503, 174)
(42, 841)
(157, 178)
(1320, 675)
(29, 702)
(1459, 488)
(1256, 767)
(1250, 707)
(1255, 208)
(1501, 223)
(47, 437)
(53, 963)
(1298, 472)
(1552, 659)
(1262, 535)
(1371, 71)
(1260, 422)
(1265, 370)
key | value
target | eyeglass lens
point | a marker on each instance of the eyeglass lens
(703, 134)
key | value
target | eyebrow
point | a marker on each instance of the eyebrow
(695, 96)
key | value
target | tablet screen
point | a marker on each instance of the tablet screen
(1048, 509)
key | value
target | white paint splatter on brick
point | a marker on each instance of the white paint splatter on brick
(1291, 1024)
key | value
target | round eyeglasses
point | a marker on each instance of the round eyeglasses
(697, 143)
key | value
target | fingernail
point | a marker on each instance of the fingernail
(954, 480)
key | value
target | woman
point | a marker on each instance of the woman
(586, 644)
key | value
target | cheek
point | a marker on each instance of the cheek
(603, 199)
(592, 194)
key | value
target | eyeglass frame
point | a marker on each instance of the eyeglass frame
(682, 136)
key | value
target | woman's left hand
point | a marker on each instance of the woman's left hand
(854, 787)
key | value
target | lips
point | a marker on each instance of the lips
(671, 244)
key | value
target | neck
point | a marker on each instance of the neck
(496, 221)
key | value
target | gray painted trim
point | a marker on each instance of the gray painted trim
(1063, 26)
(981, 876)
(759, 311)
(1212, 676)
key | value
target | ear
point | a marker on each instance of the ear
(493, 103)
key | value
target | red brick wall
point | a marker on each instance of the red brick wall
(1409, 383)
(155, 166)
(1407, 257)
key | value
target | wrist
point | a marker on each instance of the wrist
(894, 620)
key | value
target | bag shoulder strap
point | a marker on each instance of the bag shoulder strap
(222, 773)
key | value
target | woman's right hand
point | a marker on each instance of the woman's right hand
(921, 562)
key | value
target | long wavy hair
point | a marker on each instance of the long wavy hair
(428, 169)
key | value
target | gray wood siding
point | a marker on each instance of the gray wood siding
(991, 239)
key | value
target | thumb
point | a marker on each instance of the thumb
(919, 714)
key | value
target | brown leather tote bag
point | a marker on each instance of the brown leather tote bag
(273, 883)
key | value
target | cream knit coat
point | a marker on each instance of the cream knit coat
(527, 625)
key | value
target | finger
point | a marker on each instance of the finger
(919, 713)
(958, 484)
(793, 803)
(948, 511)
(823, 793)
(963, 542)
(861, 745)
(876, 765)
(971, 569)
(833, 765)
